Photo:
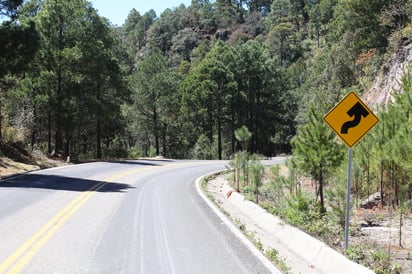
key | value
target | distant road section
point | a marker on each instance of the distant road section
(117, 217)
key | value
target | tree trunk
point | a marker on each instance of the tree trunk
(67, 148)
(33, 138)
(98, 139)
(368, 176)
(219, 137)
(49, 133)
(321, 183)
(237, 179)
(164, 139)
(400, 227)
(58, 145)
(210, 122)
(99, 113)
(156, 131)
(58, 139)
(58, 142)
(84, 144)
(246, 171)
(1, 124)
(257, 196)
(232, 130)
(382, 203)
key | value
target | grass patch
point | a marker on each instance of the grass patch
(273, 255)
(252, 237)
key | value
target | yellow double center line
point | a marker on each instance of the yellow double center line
(23, 254)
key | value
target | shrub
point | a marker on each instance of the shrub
(135, 152)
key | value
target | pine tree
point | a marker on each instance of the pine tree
(317, 152)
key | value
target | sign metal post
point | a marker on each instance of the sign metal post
(347, 214)
(350, 119)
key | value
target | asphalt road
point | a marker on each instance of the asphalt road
(117, 217)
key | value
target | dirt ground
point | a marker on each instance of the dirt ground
(15, 159)
(384, 232)
(10, 167)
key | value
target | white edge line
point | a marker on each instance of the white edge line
(61, 167)
(269, 265)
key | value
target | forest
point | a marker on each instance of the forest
(180, 84)
(190, 82)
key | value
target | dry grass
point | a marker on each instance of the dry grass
(9, 167)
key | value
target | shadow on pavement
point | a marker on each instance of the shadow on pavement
(54, 182)
(140, 163)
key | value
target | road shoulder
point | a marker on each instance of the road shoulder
(296, 252)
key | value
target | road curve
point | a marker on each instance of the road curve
(117, 217)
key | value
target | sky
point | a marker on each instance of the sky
(118, 10)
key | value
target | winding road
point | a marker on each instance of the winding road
(117, 217)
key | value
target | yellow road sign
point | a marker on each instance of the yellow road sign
(351, 119)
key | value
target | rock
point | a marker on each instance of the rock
(372, 201)
(389, 79)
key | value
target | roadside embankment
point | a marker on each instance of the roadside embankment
(301, 252)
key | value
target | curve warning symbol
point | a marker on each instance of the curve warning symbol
(358, 111)
(351, 119)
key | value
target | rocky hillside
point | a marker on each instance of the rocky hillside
(389, 78)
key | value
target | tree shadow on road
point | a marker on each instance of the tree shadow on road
(53, 182)
(141, 163)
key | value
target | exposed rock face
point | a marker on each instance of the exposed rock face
(390, 77)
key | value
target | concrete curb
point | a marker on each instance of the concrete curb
(269, 265)
(315, 253)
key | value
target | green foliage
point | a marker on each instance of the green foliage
(336, 196)
(243, 160)
(356, 253)
(273, 255)
(383, 259)
(206, 94)
(256, 171)
(274, 190)
(18, 45)
(243, 135)
(317, 152)
(206, 69)
(284, 186)
(75, 83)
(9, 8)
(237, 166)
(261, 90)
(152, 152)
(297, 210)
(373, 257)
(203, 149)
(134, 153)
(359, 23)
(256, 241)
(155, 103)
(135, 28)
(281, 41)
(198, 74)
(304, 212)
(184, 42)
(385, 153)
